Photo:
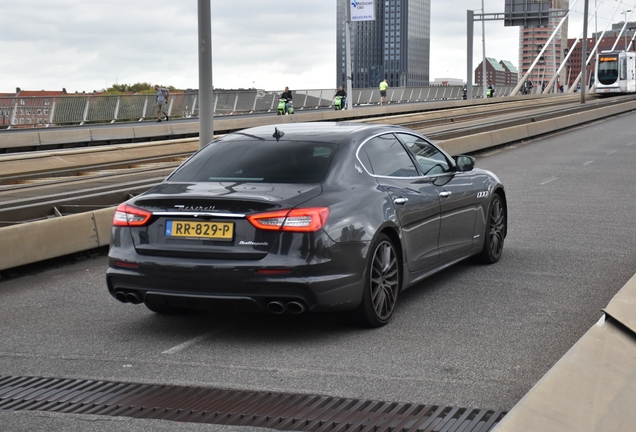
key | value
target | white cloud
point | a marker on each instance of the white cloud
(264, 43)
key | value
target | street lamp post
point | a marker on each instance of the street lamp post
(625, 13)
(206, 95)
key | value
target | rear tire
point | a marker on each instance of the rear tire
(382, 284)
(495, 232)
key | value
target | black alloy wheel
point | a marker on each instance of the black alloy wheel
(382, 284)
(495, 232)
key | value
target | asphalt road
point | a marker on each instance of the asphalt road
(473, 335)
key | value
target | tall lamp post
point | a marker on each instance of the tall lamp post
(625, 13)
(206, 95)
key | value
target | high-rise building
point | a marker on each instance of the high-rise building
(395, 46)
(533, 39)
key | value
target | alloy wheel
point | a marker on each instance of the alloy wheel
(384, 280)
(497, 226)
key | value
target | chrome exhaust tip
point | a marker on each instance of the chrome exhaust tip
(121, 296)
(296, 307)
(134, 297)
(276, 307)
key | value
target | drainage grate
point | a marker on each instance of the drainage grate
(232, 407)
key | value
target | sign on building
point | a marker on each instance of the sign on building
(527, 13)
(362, 10)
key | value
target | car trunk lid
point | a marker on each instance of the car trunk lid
(208, 220)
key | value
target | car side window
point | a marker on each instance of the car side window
(387, 157)
(429, 158)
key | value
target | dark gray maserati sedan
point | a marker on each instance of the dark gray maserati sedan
(305, 217)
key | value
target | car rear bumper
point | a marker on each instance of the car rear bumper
(326, 284)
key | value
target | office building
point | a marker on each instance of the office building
(395, 46)
(533, 39)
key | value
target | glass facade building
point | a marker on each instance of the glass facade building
(395, 46)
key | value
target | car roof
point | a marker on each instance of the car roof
(319, 130)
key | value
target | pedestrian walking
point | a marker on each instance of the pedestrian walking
(383, 86)
(161, 98)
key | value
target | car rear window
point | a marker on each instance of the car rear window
(258, 161)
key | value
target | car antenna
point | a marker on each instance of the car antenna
(278, 134)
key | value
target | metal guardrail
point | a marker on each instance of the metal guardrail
(35, 111)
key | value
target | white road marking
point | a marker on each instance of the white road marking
(195, 340)
(610, 152)
(551, 179)
(588, 162)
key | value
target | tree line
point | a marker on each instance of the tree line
(139, 88)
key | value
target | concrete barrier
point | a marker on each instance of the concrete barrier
(593, 386)
(17, 140)
(182, 128)
(12, 165)
(63, 136)
(112, 134)
(484, 140)
(160, 129)
(50, 238)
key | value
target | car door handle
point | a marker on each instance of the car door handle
(445, 194)
(400, 201)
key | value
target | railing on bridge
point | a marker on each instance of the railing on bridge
(34, 111)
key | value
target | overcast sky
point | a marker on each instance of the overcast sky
(92, 44)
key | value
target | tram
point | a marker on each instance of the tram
(616, 72)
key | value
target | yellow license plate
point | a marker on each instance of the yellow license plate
(208, 230)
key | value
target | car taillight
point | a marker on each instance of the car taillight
(296, 220)
(127, 215)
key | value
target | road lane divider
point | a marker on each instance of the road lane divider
(50, 238)
(484, 140)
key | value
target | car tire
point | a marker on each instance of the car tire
(495, 232)
(382, 284)
(163, 309)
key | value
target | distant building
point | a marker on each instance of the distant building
(626, 37)
(512, 74)
(495, 72)
(395, 46)
(533, 39)
(5, 108)
(32, 108)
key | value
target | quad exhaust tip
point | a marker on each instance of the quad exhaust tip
(275, 307)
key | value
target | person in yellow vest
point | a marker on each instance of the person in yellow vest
(383, 86)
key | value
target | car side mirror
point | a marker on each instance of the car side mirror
(464, 163)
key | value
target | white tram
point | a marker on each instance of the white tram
(616, 72)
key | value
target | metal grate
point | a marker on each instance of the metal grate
(232, 407)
